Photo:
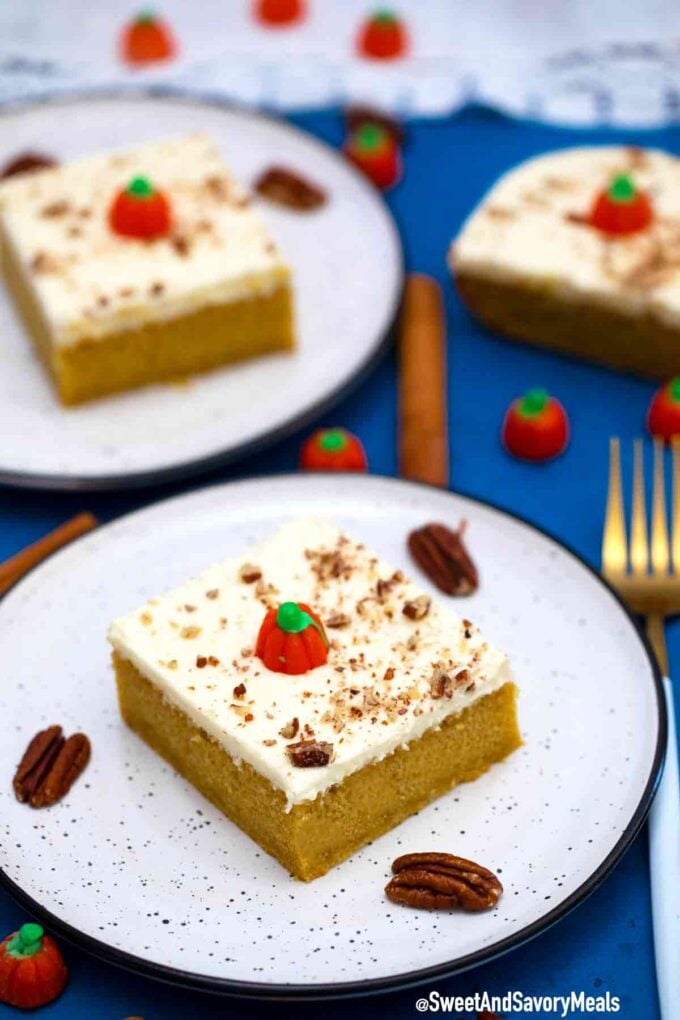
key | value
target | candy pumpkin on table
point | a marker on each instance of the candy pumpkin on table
(292, 639)
(333, 450)
(663, 416)
(535, 427)
(374, 151)
(147, 40)
(32, 971)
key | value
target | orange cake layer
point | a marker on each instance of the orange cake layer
(311, 837)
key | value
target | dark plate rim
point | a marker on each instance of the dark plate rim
(356, 989)
(199, 465)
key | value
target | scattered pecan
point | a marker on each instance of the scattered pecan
(441, 684)
(26, 163)
(290, 730)
(441, 554)
(436, 881)
(240, 691)
(249, 573)
(357, 116)
(336, 621)
(309, 754)
(50, 766)
(181, 245)
(417, 608)
(55, 209)
(285, 187)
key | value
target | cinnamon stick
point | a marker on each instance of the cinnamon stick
(16, 566)
(423, 444)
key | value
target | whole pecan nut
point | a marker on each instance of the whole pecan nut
(50, 766)
(285, 187)
(437, 881)
(441, 554)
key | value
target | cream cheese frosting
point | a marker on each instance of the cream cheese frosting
(90, 282)
(531, 229)
(388, 678)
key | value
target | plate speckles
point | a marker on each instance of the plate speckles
(134, 857)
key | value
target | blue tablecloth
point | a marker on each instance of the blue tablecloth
(606, 943)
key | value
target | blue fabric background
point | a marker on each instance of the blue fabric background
(606, 943)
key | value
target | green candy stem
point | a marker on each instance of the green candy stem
(27, 941)
(384, 16)
(674, 389)
(370, 138)
(146, 17)
(622, 189)
(533, 403)
(333, 440)
(140, 187)
(293, 620)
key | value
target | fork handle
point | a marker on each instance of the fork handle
(664, 860)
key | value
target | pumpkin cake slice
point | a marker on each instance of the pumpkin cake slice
(313, 693)
(136, 267)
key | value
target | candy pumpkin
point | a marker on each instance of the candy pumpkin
(622, 209)
(140, 211)
(292, 639)
(333, 450)
(32, 971)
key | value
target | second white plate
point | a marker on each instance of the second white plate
(347, 266)
(137, 867)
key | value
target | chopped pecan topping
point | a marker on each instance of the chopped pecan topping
(181, 245)
(417, 608)
(285, 187)
(249, 573)
(240, 691)
(201, 661)
(441, 684)
(436, 881)
(43, 262)
(156, 289)
(310, 754)
(290, 730)
(26, 163)
(189, 633)
(55, 209)
(50, 766)
(441, 554)
(212, 594)
(336, 621)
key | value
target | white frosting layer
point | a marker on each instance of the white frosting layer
(374, 694)
(90, 282)
(529, 229)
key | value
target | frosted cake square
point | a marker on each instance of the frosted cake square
(401, 699)
(197, 284)
(579, 250)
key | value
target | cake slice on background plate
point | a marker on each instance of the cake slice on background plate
(313, 693)
(136, 267)
(579, 250)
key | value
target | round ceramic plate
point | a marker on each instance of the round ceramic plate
(347, 266)
(137, 867)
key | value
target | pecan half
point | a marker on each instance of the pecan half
(441, 554)
(286, 187)
(309, 754)
(290, 730)
(50, 766)
(26, 163)
(436, 881)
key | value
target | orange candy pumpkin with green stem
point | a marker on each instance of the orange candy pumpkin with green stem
(333, 450)
(292, 639)
(383, 36)
(374, 151)
(147, 40)
(280, 13)
(663, 416)
(535, 427)
(32, 971)
(140, 211)
(622, 209)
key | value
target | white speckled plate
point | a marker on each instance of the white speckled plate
(137, 867)
(347, 266)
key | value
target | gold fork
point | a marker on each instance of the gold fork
(648, 578)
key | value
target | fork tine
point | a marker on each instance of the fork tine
(675, 447)
(639, 546)
(660, 553)
(614, 546)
